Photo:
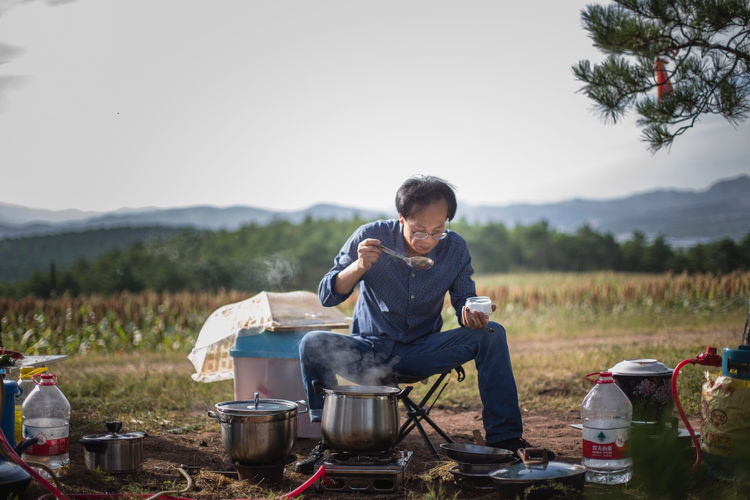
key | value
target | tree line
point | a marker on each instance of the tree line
(287, 256)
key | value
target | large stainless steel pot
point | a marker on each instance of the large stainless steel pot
(258, 431)
(360, 418)
(115, 453)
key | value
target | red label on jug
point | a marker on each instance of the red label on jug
(605, 444)
(51, 440)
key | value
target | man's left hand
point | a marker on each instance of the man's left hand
(474, 319)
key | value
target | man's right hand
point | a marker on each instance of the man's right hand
(368, 253)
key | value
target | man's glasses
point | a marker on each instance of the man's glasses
(421, 235)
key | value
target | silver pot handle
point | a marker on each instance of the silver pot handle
(303, 403)
(318, 386)
(214, 415)
(404, 392)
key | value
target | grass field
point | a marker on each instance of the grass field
(128, 353)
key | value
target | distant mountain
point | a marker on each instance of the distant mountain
(14, 215)
(683, 216)
(197, 217)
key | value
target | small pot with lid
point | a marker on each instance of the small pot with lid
(648, 385)
(258, 431)
(115, 452)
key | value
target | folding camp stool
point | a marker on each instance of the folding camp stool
(418, 412)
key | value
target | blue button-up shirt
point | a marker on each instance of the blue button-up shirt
(396, 302)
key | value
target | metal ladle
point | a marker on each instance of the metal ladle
(418, 263)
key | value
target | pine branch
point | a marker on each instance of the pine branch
(709, 76)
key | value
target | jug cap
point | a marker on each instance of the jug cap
(44, 379)
(604, 378)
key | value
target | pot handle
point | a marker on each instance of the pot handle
(214, 415)
(318, 386)
(113, 427)
(404, 392)
(302, 402)
(533, 456)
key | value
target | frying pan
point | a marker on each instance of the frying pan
(477, 454)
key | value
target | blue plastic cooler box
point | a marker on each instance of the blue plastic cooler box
(268, 363)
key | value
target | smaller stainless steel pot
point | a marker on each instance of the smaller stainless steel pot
(114, 453)
(536, 477)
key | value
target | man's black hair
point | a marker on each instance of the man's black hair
(419, 191)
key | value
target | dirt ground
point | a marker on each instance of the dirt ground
(163, 454)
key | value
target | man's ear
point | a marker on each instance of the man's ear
(401, 219)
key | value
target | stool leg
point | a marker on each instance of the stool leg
(419, 410)
(414, 416)
(433, 389)
(423, 416)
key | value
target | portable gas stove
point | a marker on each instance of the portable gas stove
(382, 472)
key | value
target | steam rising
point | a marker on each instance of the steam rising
(336, 353)
(279, 270)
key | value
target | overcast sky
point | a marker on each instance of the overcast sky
(283, 104)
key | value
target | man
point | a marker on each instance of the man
(397, 319)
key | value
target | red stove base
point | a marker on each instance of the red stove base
(367, 473)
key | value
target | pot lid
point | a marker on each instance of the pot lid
(363, 390)
(522, 473)
(114, 434)
(255, 407)
(643, 367)
(125, 436)
(535, 466)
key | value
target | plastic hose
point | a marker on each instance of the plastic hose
(682, 413)
(321, 473)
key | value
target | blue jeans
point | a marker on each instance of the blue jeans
(367, 360)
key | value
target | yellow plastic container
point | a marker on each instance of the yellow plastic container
(725, 418)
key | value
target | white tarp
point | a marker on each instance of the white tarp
(266, 311)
